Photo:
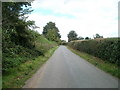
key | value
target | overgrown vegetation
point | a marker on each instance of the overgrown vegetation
(17, 77)
(106, 49)
(17, 54)
(102, 52)
(113, 69)
(21, 44)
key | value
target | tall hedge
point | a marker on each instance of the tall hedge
(106, 49)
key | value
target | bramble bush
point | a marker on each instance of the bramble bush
(106, 49)
(13, 55)
(19, 39)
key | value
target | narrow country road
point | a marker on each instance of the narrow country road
(66, 70)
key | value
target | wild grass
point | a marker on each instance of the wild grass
(110, 68)
(17, 76)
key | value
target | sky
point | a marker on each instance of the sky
(85, 17)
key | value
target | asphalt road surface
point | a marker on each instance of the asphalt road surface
(66, 70)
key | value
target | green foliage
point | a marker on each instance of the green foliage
(98, 36)
(103, 65)
(14, 25)
(13, 12)
(43, 44)
(106, 49)
(19, 42)
(72, 36)
(63, 42)
(17, 76)
(80, 38)
(14, 55)
(51, 32)
(87, 38)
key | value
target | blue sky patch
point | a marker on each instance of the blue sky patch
(51, 12)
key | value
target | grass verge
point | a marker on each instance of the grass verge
(103, 65)
(18, 75)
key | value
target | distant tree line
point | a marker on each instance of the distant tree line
(72, 35)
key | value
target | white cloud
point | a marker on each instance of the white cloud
(90, 16)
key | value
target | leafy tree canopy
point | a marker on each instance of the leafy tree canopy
(72, 36)
(80, 38)
(87, 38)
(15, 28)
(51, 32)
(98, 36)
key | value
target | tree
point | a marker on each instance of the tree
(87, 38)
(51, 32)
(98, 36)
(17, 36)
(13, 11)
(72, 36)
(48, 27)
(15, 28)
(80, 38)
